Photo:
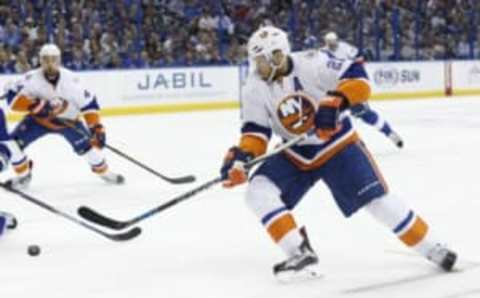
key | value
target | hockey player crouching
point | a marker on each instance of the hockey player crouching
(52, 95)
(293, 93)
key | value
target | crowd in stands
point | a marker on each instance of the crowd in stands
(111, 34)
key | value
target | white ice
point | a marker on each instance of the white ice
(212, 246)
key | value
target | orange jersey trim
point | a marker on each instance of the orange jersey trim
(47, 122)
(253, 144)
(326, 156)
(356, 90)
(92, 118)
(21, 103)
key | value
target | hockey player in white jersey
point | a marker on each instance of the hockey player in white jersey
(339, 48)
(52, 96)
(342, 50)
(7, 145)
(288, 94)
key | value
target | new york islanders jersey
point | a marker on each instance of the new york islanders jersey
(287, 107)
(34, 85)
(343, 51)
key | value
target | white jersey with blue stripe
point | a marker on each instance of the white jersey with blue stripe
(287, 107)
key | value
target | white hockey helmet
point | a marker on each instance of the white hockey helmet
(331, 36)
(49, 49)
(266, 40)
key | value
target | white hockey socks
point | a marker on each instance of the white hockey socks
(263, 198)
(97, 161)
(20, 162)
(410, 228)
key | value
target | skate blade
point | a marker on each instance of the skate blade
(307, 274)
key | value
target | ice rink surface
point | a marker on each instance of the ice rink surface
(212, 246)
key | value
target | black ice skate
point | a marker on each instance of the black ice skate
(112, 178)
(301, 266)
(395, 138)
(443, 257)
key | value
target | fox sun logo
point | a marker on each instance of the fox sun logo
(296, 113)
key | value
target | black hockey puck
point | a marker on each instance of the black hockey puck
(33, 250)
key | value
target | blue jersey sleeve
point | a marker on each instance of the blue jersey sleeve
(355, 71)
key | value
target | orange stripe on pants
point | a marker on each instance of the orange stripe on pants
(416, 233)
(281, 226)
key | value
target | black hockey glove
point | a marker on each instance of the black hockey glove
(328, 113)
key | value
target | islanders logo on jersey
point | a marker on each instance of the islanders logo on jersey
(296, 112)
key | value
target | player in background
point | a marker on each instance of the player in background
(48, 94)
(7, 220)
(288, 94)
(342, 50)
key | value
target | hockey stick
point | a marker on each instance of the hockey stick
(128, 235)
(93, 216)
(173, 180)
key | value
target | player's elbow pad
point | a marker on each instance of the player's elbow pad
(92, 118)
(355, 90)
(253, 144)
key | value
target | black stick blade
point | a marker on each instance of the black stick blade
(128, 235)
(181, 180)
(93, 216)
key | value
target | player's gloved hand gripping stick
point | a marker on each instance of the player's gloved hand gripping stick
(98, 135)
(93, 216)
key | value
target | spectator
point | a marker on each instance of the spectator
(463, 48)
(78, 60)
(6, 65)
(22, 65)
(12, 36)
(132, 33)
(206, 21)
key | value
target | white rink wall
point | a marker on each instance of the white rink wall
(141, 91)
(164, 85)
(406, 79)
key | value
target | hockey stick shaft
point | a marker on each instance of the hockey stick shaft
(173, 180)
(98, 218)
(115, 237)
